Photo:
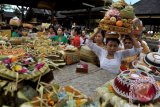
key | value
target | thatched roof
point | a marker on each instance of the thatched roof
(147, 7)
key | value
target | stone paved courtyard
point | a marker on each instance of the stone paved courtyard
(86, 83)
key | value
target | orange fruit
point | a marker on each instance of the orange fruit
(119, 23)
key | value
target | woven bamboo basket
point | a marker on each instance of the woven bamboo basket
(110, 27)
(71, 57)
(87, 55)
(113, 35)
(121, 30)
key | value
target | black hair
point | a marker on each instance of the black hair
(60, 28)
(126, 37)
(83, 30)
(34, 30)
(15, 27)
(113, 39)
(102, 32)
(77, 29)
(51, 26)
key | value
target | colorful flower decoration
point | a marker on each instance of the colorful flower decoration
(22, 64)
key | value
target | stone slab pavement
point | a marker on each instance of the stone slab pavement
(86, 83)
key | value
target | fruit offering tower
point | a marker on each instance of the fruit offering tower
(118, 18)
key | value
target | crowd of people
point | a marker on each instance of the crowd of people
(111, 52)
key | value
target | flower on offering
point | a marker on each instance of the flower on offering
(39, 66)
(25, 65)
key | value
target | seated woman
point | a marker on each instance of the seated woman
(60, 38)
(51, 32)
(76, 39)
(83, 38)
(15, 32)
(110, 58)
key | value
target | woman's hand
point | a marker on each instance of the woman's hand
(134, 40)
(139, 38)
(98, 29)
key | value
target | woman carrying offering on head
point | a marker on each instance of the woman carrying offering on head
(15, 32)
(110, 58)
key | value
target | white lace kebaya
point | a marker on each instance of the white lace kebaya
(112, 65)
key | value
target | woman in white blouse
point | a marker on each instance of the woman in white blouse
(83, 38)
(110, 58)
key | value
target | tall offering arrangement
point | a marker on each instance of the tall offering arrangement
(118, 18)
